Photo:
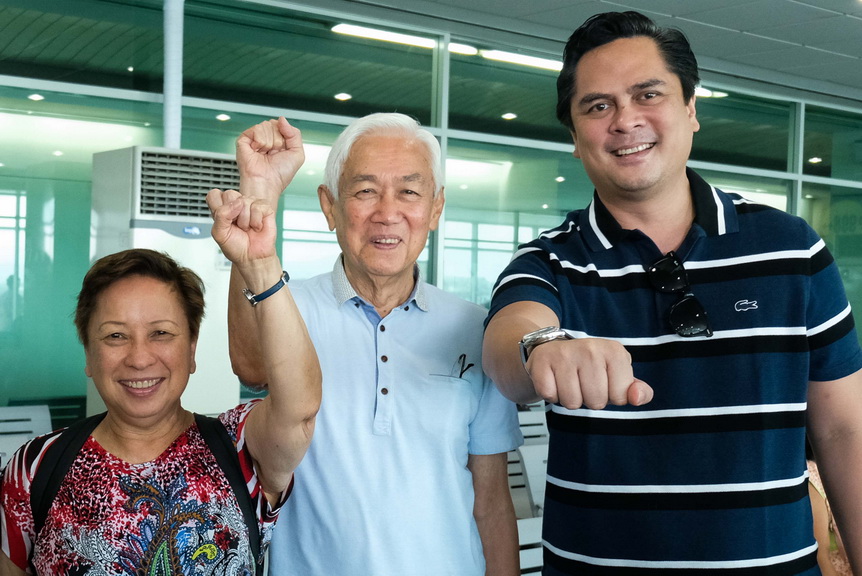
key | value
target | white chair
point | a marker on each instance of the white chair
(530, 545)
(534, 461)
(534, 426)
(19, 424)
(535, 430)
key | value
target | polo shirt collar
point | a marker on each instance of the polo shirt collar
(344, 291)
(714, 213)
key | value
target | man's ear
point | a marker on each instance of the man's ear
(327, 205)
(692, 115)
(575, 152)
(437, 209)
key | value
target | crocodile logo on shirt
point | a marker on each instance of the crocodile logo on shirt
(745, 305)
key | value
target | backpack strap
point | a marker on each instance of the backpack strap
(55, 463)
(59, 456)
(223, 448)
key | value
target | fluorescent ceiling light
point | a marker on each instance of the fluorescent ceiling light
(36, 97)
(702, 92)
(464, 49)
(342, 96)
(374, 34)
(815, 160)
(509, 116)
(522, 59)
(223, 117)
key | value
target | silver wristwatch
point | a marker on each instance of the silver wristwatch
(541, 336)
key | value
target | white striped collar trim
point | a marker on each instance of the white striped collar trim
(595, 226)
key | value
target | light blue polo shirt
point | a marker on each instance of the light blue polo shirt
(384, 488)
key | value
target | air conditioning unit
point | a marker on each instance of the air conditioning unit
(155, 198)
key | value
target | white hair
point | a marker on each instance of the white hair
(385, 123)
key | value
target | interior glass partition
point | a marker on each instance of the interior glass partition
(113, 44)
(835, 212)
(743, 130)
(497, 197)
(257, 54)
(832, 144)
(46, 151)
(493, 96)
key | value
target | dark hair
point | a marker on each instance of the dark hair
(603, 29)
(139, 262)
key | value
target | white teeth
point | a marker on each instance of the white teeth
(140, 384)
(387, 241)
(627, 151)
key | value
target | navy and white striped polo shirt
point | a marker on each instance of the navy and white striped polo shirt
(711, 474)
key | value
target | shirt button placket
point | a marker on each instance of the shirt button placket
(383, 414)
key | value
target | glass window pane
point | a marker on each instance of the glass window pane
(116, 44)
(772, 192)
(835, 212)
(60, 133)
(257, 54)
(833, 144)
(743, 130)
(496, 198)
(482, 91)
(46, 148)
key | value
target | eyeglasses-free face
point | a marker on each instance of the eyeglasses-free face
(687, 316)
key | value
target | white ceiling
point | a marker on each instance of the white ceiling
(813, 45)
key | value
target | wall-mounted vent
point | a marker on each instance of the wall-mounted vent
(176, 184)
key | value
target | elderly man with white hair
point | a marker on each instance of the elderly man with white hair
(407, 474)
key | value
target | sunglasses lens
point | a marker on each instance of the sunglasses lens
(688, 317)
(668, 275)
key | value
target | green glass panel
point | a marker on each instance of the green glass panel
(482, 91)
(770, 191)
(743, 130)
(833, 144)
(115, 44)
(835, 212)
(46, 151)
(258, 54)
(496, 197)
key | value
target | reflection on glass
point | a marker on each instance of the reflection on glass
(114, 44)
(833, 144)
(47, 148)
(496, 198)
(743, 130)
(835, 212)
(770, 191)
(485, 94)
(290, 59)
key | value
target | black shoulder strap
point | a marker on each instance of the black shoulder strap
(224, 450)
(55, 463)
(60, 455)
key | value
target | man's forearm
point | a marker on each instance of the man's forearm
(246, 356)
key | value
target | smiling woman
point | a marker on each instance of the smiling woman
(149, 485)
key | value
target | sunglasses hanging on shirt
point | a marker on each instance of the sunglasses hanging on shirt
(687, 316)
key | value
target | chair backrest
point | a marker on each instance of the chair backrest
(19, 424)
(534, 460)
(530, 545)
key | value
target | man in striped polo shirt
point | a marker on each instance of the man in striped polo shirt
(700, 334)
